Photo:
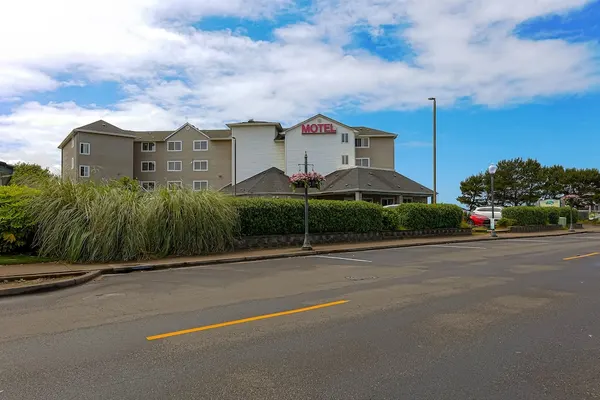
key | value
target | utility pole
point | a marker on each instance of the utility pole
(306, 245)
(434, 149)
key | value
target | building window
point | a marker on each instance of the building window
(84, 171)
(174, 166)
(73, 143)
(200, 185)
(368, 199)
(200, 165)
(344, 138)
(72, 163)
(200, 145)
(148, 166)
(363, 162)
(148, 147)
(148, 185)
(344, 160)
(174, 184)
(84, 148)
(407, 200)
(387, 201)
(361, 142)
(174, 145)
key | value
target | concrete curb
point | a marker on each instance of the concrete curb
(187, 264)
(49, 286)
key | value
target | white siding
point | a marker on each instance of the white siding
(325, 150)
(256, 150)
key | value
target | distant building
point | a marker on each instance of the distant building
(6, 171)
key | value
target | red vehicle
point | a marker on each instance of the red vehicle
(478, 220)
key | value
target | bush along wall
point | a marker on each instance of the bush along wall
(415, 216)
(524, 215)
(260, 216)
(16, 223)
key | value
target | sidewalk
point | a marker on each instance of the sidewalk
(254, 255)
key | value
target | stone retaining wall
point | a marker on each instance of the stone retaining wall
(296, 240)
(534, 228)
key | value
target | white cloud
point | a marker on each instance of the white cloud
(463, 48)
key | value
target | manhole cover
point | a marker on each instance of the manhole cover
(360, 278)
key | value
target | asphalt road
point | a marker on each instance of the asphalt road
(516, 319)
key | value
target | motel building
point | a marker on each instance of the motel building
(252, 158)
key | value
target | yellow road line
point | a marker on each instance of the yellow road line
(245, 320)
(581, 256)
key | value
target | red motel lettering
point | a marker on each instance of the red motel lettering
(318, 128)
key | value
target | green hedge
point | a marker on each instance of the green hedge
(564, 212)
(260, 216)
(391, 220)
(16, 224)
(524, 216)
(416, 216)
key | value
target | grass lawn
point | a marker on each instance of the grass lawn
(22, 259)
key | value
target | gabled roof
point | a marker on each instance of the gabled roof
(187, 125)
(218, 133)
(361, 179)
(370, 132)
(270, 181)
(100, 127)
(320, 116)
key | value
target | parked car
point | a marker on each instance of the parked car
(478, 220)
(486, 211)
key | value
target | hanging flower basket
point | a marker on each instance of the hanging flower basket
(306, 180)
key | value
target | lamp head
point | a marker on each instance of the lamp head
(432, 98)
(492, 169)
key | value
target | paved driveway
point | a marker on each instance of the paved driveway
(516, 319)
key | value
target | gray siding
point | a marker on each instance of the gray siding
(110, 156)
(69, 153)
(381, 152)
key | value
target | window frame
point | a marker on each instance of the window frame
(150, 162)
(72, 162)
(200, 141)
(362, 139)
(363, 158)
(347, 158)
(175, 141)
(175, 170)
(200, 169)
(345, 135)
(383, 199)
(148, 151)
(148, 182)
(89, 148)
(200, 181)
(88, 171)
(180, 183)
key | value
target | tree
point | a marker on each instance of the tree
(32, 175)
(474, 193)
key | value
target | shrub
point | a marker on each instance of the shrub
(553, 214)
(32, 175)
(16, 223)
(101, 223)
(416, 216)
(524, 216)
(564, 212)
(391, 220)
(260, 216)
(506, 222)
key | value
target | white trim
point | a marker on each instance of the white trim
(72, 162)
(149, 163)
(362, 139)
(148, 182)
(89, 148)
(363, 158)
(199, 169)
(73, 142)
(346, 158)
(175, 141)
(148, 143)
(194, 185)
(88, 171)
(175, 170)
(345, 135)
(200, 141)
(170, 182)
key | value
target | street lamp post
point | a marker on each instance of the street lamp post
(434, 149)
(306, 245)
(492, 170)
(234, 164)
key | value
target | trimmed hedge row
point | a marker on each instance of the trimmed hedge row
(16, 224)
(417, 216)
(527, 215)
(260, 216)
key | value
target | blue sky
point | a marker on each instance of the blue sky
(513, 78)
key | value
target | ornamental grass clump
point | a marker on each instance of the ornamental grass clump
(86, 222)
